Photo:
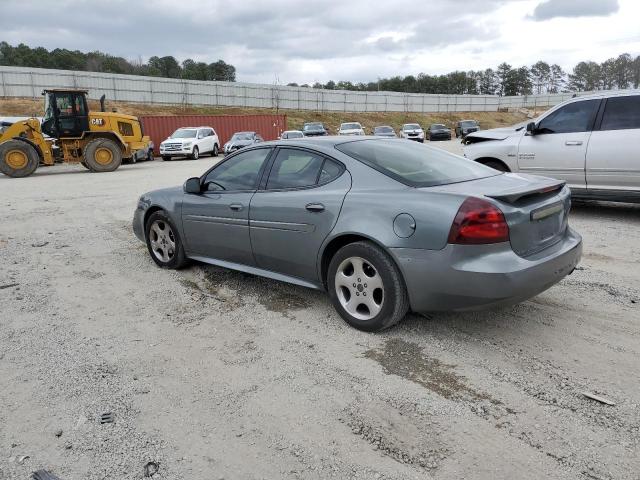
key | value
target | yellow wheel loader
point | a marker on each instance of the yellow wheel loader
(70, 133)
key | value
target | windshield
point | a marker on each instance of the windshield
(313, 126)
(350, 126)
(184, 133)
(437, 126)
(383, 130)
(415, 164)
(241, 136)
(469, 123)
(411, 126)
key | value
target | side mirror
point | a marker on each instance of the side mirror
(531, 128)
(192, 185)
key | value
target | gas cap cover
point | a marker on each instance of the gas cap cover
(404, 225)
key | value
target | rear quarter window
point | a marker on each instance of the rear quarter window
(621, 113)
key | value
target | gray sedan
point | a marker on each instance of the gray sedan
(383, 226)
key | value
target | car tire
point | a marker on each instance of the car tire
(216, 151)
(380, 304)
(496, 165)
(18, 159)
(102, 155)
(166, 158)
(150, 157)
(164, 242)
(195, 155)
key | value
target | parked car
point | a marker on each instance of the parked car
(190, 142)
(351, 128)
(412, 131)
(465, 127)
(384, 131)
(314, 129)
(384, 226)
(240, 140)
(438, 131)
(590, 142)
(289, 134)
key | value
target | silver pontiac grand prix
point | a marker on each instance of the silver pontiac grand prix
(385, 226)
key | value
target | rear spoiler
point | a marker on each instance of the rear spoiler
(550, 186)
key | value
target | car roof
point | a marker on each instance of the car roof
(606, 94)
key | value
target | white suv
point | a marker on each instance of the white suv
(412, 131)
(351, 128)
(590, 142)
(190, 142)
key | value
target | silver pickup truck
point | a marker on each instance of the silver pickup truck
(591, 142)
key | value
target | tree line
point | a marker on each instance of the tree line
(541, 77)
(63, 59)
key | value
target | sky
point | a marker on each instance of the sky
(307, 41)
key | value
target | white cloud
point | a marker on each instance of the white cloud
(356, 40)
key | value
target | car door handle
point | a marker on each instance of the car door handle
(315, 207)
(572, 143)
(236, 207)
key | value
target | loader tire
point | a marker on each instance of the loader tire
(85, 165)
(18, 159)
(102, 155)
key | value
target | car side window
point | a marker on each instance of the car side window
(294, 168)
(574, 117)
(240, 172)
(621, 113)
(330, 171)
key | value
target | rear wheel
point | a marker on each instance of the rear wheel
(163, 241)
(18, 159)
(195, 155)
(102, 155)
(366, 287)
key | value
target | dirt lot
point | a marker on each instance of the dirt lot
(214, 374)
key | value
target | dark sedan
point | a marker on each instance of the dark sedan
(438, 131)
(314, 129)
(384, 131)
(384, 226)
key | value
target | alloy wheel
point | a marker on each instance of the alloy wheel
(359, 288)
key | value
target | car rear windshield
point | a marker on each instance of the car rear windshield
(415, 164)
(183, 133)
(350, 126)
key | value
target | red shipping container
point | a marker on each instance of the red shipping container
(160, 127)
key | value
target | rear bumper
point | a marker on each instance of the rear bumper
(469, 277)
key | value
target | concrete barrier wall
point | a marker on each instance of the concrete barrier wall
(29, 82)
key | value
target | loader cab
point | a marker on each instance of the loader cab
(66, 113)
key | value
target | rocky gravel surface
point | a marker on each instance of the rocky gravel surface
(212, 374)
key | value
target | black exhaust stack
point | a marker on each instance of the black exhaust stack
(102, 103)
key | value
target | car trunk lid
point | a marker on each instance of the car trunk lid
(535, 208)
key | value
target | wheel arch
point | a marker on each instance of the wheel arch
(151, 210)
(485, 160)
(339, 241)
(89, 136)
(33, 144)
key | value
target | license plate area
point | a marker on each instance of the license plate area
(548, 220)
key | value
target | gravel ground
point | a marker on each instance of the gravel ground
(215, 374)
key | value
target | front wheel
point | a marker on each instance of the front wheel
(18, 159)
(215, 150)
(195, 155)
(366, 287)
(163, 241)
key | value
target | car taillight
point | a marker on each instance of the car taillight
(478, 222)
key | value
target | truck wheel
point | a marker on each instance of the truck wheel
(102, 155)
(18, 159)
(85, 165)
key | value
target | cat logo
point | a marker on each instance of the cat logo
(99, 122)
